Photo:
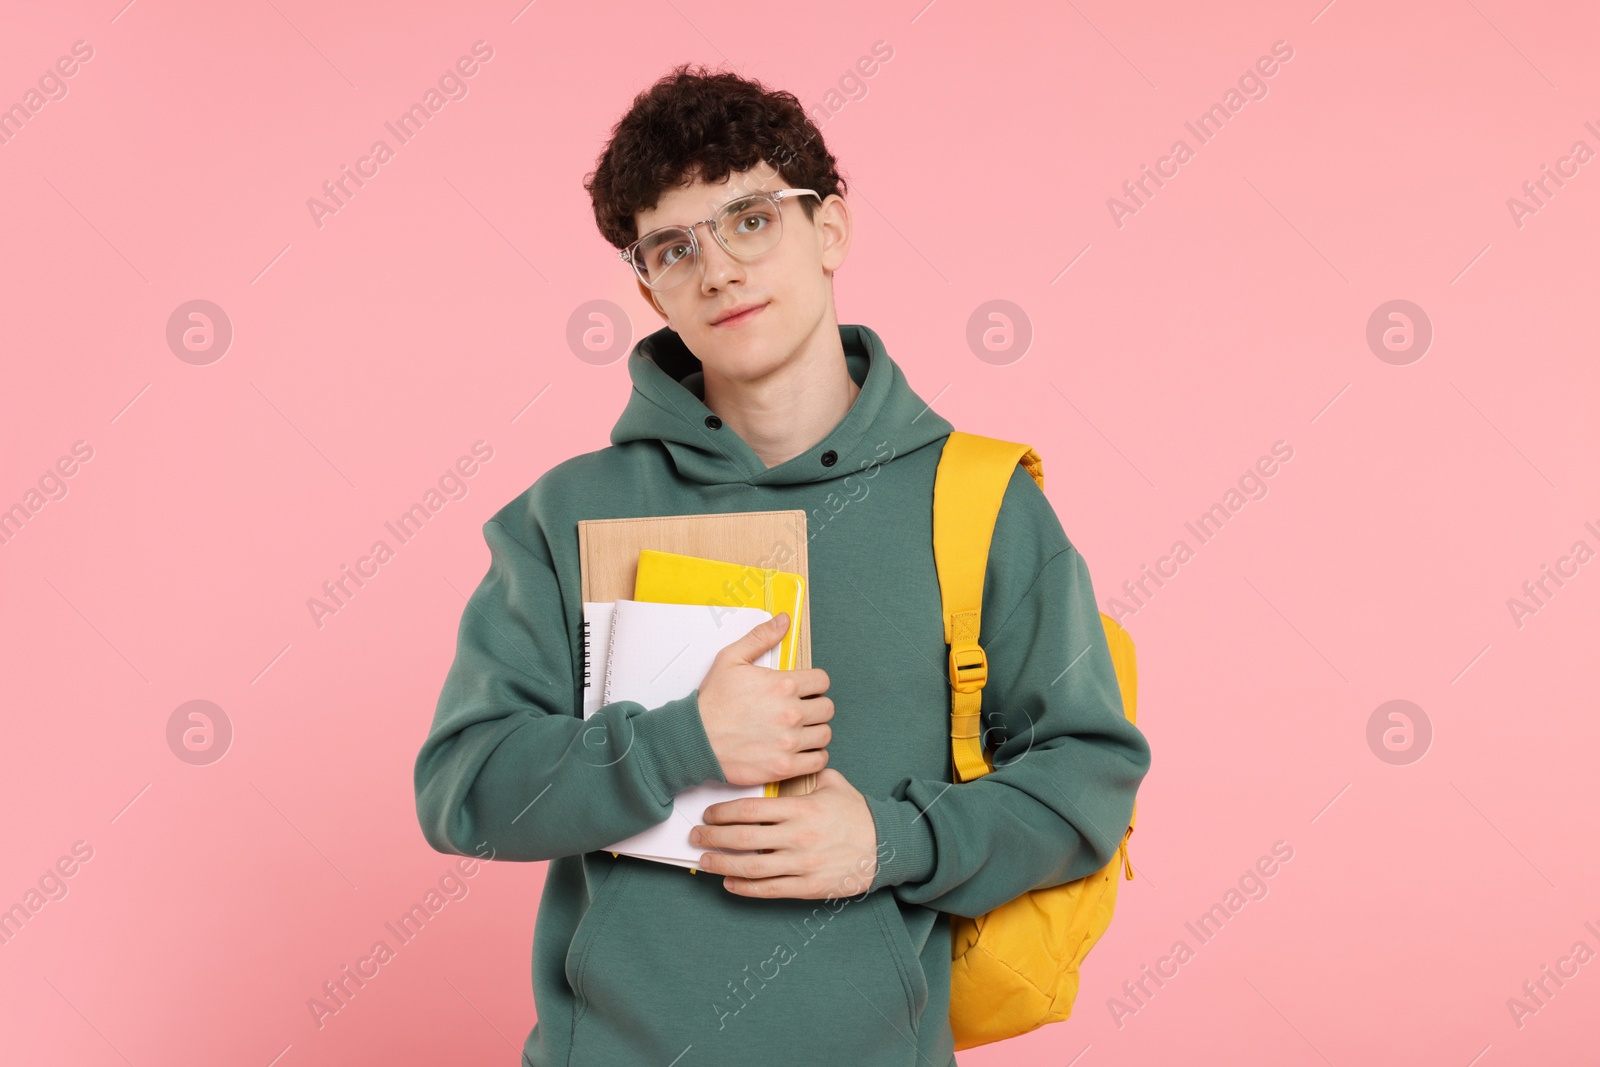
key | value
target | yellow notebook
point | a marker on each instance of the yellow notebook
(674, 578)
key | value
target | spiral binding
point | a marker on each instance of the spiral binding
(586, 653)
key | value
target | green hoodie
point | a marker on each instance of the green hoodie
(636, 962)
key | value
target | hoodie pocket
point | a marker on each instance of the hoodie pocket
(669, 964)
(594, 917)
(899, 941)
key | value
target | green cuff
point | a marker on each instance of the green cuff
(906, 850)
(673, 749)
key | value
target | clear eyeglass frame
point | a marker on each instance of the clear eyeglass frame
(630, 255)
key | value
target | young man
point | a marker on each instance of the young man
(833, 946)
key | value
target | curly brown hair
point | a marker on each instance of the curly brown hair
(697, 123)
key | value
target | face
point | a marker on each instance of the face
(790, 285)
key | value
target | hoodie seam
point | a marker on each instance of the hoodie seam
(507, 531)
(844, 448)
(1027, 595)
(547, 561)
(689, 418)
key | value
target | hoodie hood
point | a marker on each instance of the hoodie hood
(668, 405)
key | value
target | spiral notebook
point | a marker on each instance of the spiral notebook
(652, 653)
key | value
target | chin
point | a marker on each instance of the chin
(744, 357)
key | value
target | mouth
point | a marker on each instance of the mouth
(741, 316)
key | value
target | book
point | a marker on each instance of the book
(677, 578)
(651, 653)
(608, 559)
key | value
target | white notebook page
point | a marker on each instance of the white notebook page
(652, 653)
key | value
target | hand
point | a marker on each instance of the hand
(764, 725)
(820, 846)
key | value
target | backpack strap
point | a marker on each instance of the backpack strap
(968, 487)
(1125, 664)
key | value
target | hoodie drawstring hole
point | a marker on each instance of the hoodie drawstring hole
(829, 458)
(713, 423)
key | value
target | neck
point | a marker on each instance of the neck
(783, 413)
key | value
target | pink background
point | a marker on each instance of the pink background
(432, 311)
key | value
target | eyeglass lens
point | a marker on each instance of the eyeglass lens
(747, 227)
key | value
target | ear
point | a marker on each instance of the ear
(834, 225)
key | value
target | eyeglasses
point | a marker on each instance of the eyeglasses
(746, 227)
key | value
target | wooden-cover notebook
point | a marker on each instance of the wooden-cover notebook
(608, 554)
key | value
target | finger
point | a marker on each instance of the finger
(757, 640)
(797, 887)
(750, 810)
(749, 836)
(818, 709)
(807, 884)
(814, 737)
(813, 680)
(751, 868)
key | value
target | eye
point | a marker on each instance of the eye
(750, 216)
(663, 255)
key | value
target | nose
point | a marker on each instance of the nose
(717, 265)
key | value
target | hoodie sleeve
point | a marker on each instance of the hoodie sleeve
(511, 763)
(1067, 765)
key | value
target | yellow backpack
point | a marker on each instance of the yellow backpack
(1015, 968)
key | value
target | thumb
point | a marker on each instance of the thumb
(760, 638)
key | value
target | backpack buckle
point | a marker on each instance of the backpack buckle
(969, 667)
